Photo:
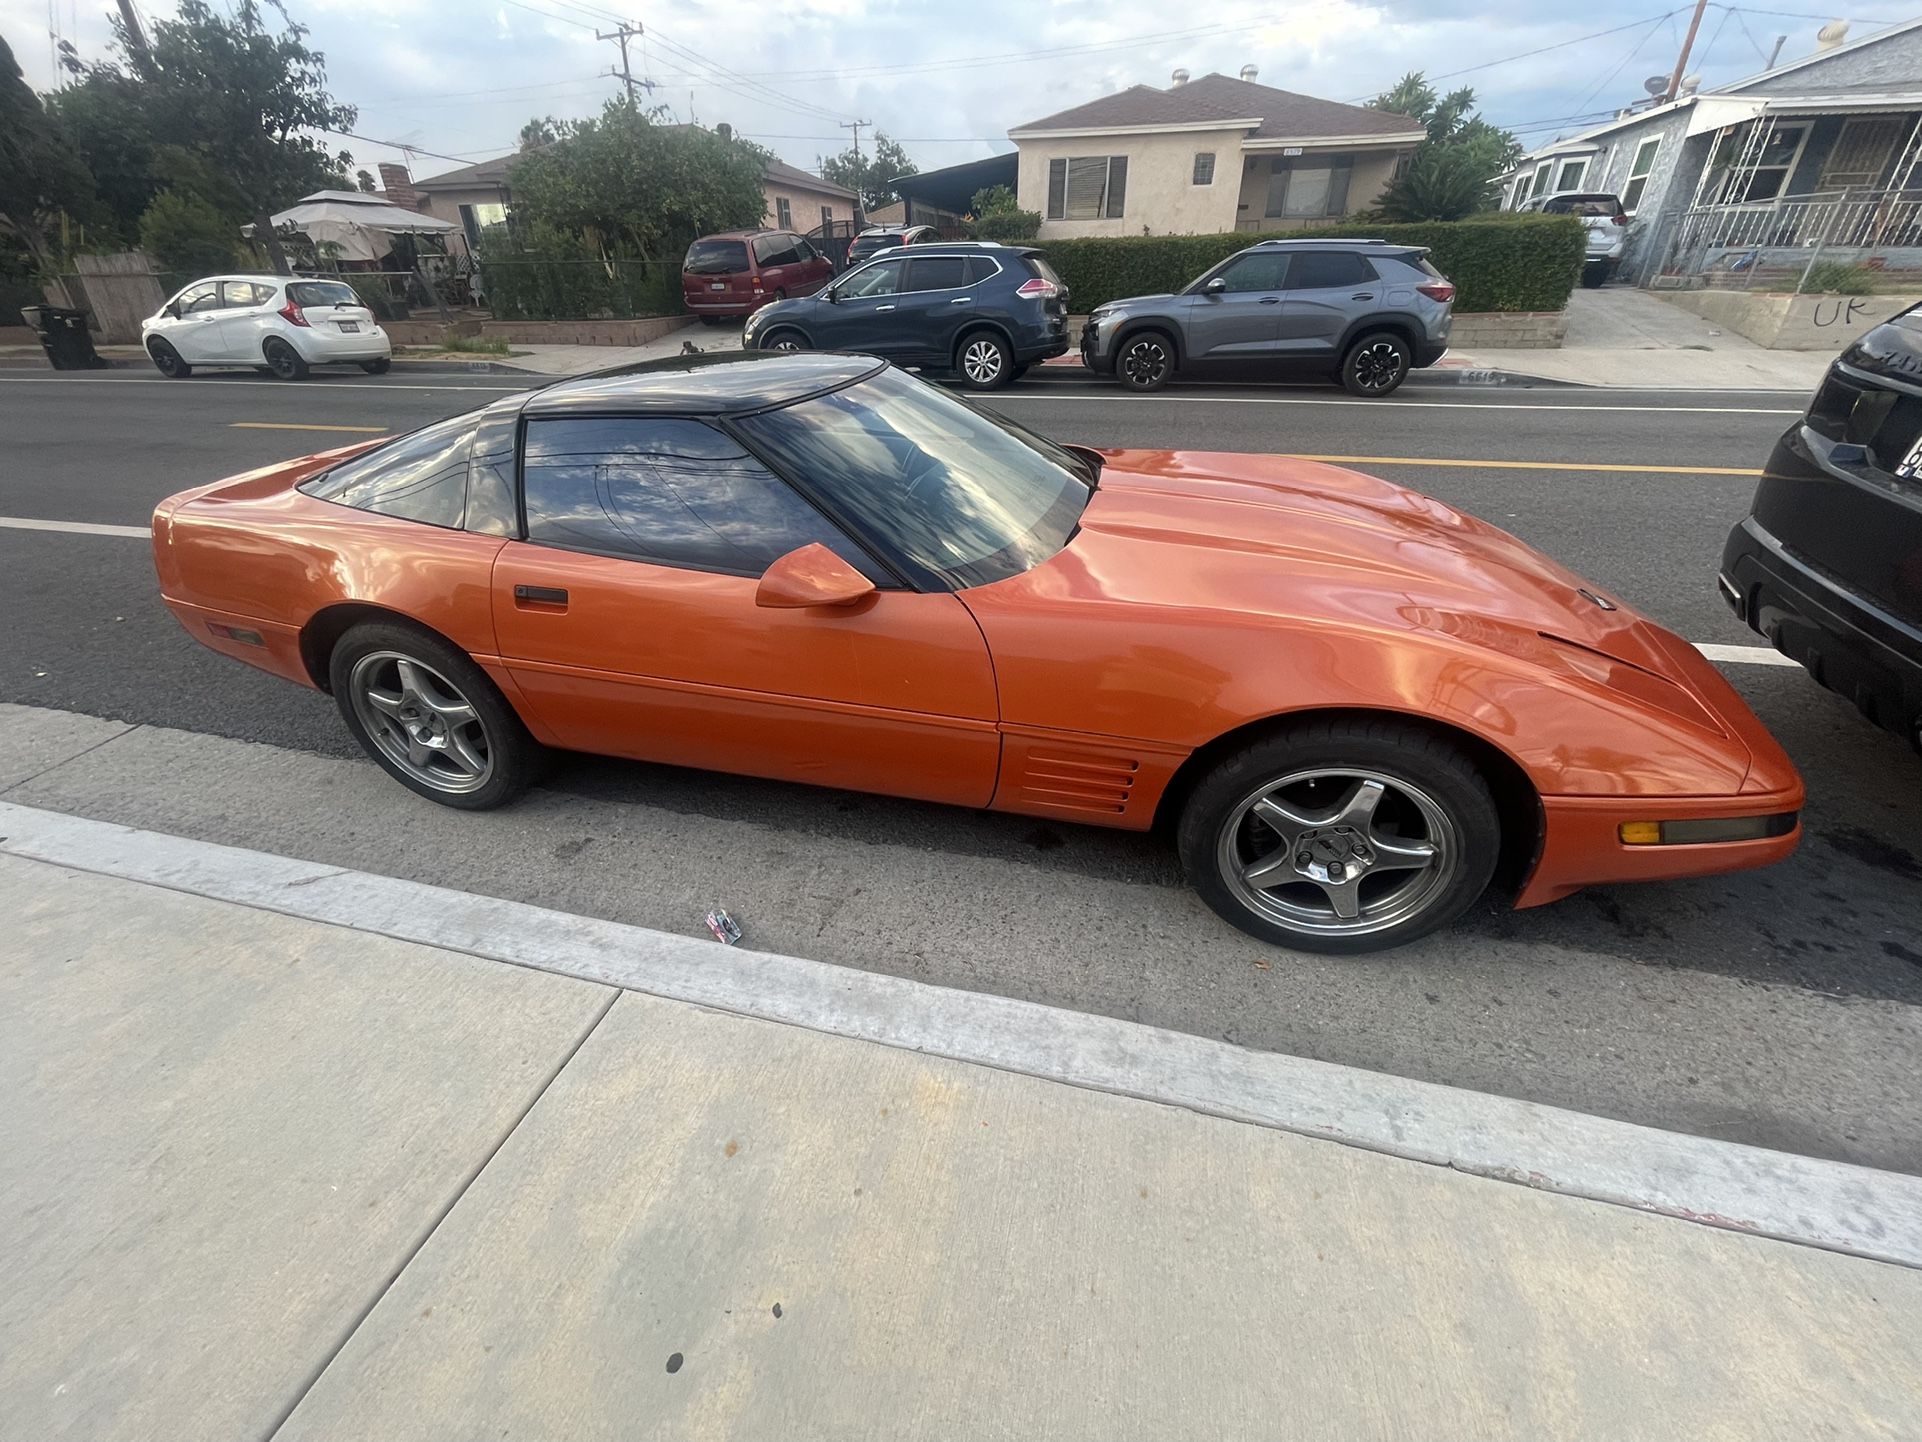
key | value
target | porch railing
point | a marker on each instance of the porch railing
(1775, 244)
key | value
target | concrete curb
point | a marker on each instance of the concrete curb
(401, 363)
(1854, 1210)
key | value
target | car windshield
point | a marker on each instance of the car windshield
(929, 477)
(716, 257)
(321, 292)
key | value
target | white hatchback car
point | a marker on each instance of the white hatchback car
(276, 323)
(1600, 213)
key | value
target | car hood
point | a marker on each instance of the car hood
(1206, 529)
(1133, 300)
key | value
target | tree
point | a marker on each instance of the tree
(994, 214)
(1453, 170)
(364, 182)
(630, 185)
(868, 172)
(540, 131)
(40, 176)
(229, 99)
(187, 233)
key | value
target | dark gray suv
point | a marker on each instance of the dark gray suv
(1363, 312)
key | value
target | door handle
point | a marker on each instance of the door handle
(962, 300)
(1363, 295)
(1271, 300)
(879, 308)
(536, 596)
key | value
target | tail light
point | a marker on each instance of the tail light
(292, 314)
(1621, 218)
(1437, 290)
(1038, 289)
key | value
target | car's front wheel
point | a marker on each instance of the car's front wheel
(283, 360)
(788, 339)
(430, 717)
(1341, 836)
(1146, 361)
(1375, 365)
(167, 361)
(984, 362)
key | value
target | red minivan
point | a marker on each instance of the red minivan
(729, 275)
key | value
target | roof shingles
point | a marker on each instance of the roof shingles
(1216, 98)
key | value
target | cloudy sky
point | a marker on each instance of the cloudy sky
(460, 77)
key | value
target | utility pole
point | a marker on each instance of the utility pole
(1776, 53)
(1688, 43)
(860, 172)
(136, 38)
(626, 33)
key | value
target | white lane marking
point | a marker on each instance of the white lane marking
(1384, 407)
(1844, 1208)
(243, 386)
(74, 528)
(1744, 655)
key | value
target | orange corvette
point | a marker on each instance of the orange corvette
(1354, 706)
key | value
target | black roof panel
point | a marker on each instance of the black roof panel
(716, 383)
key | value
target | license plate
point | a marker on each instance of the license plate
(717, 285)
(1910, 466)
(350, 325)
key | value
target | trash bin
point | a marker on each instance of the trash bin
(63, 336)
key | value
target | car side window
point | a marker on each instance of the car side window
(205, 296)
(882, 278)
(673, 492)
(937, 272)
(420, 477)
(980, 268)
(243, 293)
(804, 251)
(1264, 270)
(1329, 269)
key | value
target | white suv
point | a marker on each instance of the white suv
(276, 323)
(1600, 213)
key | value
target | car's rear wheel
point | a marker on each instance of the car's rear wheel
(430, 717)
(784, 340)
(283, 360)
(167, 361)
(1146, 361)
(1375, 364)
(983, 361)
(1341, 836)
(378, 367)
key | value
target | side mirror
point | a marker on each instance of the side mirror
(171, 310)
(812, 576)
(1215, 286)
(832, 294)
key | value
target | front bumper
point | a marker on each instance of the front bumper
(1841, 638)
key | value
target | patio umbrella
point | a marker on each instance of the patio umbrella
(359, 224)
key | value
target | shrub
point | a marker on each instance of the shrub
(184, 232)
(1837, 277)
(1006, 225)
(1497, 262)
(542, 273)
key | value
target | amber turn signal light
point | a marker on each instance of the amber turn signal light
(1720, 828)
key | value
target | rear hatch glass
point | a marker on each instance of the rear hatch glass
(321, 292)
(716, 257)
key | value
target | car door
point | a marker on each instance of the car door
(813, 269)
(627, 619)
(246, 315)
(775, 256)
(861, 315)
(195, 333)
(935, 303)
(1328, 290)
(1240, 319)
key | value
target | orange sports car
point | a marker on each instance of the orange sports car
(1355, 707)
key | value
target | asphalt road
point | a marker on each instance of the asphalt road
(1780, 1007)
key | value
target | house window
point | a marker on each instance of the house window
(1088, 187)
(1766, 173)
(1540, 187)
(827, 219)
(1573, 173)
(783, 212)
(1302, 191)
(1204, 167)
(1638, 172)
(1861, 152)
(476, 218)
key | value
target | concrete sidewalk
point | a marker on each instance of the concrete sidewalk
(267, 1176)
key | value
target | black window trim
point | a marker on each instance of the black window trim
(722, 424)
(962, 256)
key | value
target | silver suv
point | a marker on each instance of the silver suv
(1364, 312)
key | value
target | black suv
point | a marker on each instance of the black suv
(1828, 565)
(987, 312)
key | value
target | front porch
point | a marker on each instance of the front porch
(1302, 186)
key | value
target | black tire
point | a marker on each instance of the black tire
(1431, 796)
(718, 319)
(283, 360)
(167, 361)
(1018, 372)
(1376, 364)
(513, 758)
(783, 338)
(1145, 360)
(983, 361)
(377, 367)
(1594, 277)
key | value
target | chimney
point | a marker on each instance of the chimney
(1248, 73)
(1180, 77)
(398, 186)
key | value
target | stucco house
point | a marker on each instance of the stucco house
(1204, 156)
(1821, 150)
(476, 196)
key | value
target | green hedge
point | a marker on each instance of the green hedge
(1497, 262)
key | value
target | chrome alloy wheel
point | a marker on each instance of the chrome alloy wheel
(1338, 851)
(981, 361)
(1145, 361)
(421, 722)
(1378, 366)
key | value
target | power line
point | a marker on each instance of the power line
(622, 34)
(1544, 49)
(1607, 79)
